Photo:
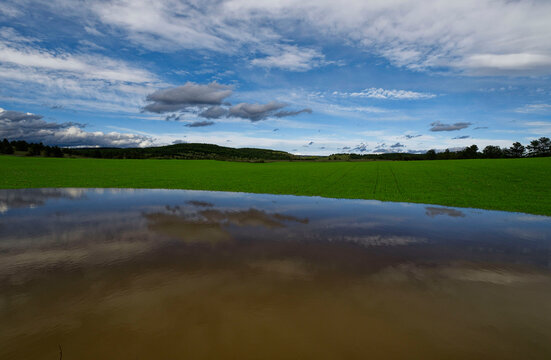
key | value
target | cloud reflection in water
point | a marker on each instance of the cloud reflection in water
(171, 274)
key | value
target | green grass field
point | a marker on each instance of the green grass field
(522, 185)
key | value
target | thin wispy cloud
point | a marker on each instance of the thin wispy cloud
(292, 58)
(86, 67)
(534, 109)
(395, 30)
(383, 94)
(29, 71)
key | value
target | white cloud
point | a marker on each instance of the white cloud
(89, 66)
(30, 73)
(378, 93)
(292, 58)
(476, 36)
(507, 62)
(9, 35)
(170, 25)
(539, 128)
(75, 136)
(357, 109)
(534, 109)
(8, 10)
(28, 85)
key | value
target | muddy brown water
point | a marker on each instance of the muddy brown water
(173, 274)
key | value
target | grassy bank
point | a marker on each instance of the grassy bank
(502, 184)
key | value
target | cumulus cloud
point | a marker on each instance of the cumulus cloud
(411, 136)
(378, 93)
(15, 125)
(210, 100)
(200, 123)
(16, 116)
(256, 112)
(461, 137)
(397, 145)
(214, 112)
(188, 95)
(438, 126)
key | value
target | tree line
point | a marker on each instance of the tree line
(537, 148)
(29, 149)
(176, 151)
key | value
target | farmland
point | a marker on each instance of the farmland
(522, 185)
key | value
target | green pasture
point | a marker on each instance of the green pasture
(522, 185)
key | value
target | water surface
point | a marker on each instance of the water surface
(173, 274)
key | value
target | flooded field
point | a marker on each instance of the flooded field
(173, 274)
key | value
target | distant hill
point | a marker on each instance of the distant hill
(184, 151)
(537, 148)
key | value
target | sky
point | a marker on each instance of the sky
(309, 77)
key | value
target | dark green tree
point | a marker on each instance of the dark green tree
(516, 151)
(35, 149)
(492, 152)
(470, 152)
(5, 147)
(57, 152)
(540, 147)
(431, 154)
(447, 154)
(20, 145)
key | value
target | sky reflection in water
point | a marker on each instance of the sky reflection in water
(126, 274)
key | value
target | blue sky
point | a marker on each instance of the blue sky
(309, 77)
